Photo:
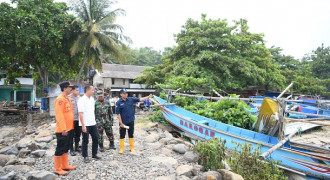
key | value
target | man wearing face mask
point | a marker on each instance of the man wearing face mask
(104, 119)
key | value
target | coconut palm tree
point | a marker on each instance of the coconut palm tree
(100, 34)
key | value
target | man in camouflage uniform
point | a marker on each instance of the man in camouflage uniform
(104, 119)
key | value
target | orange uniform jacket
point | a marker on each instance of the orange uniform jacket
(63, 114)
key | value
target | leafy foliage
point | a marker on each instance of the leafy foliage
(35, 38)
(227, 57)
(100, 34)
(245, 161)
(211, 153)
(145, 56)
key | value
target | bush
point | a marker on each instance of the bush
(211, 152)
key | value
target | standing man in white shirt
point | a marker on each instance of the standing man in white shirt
(87, 122)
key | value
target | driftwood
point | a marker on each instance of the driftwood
(308, 121)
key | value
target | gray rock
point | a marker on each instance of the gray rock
(185, 170)
(91, 176)
(42, 145)
(172, 141)
(2, 141)
(39, 153)
(24, 152)
(18, 168)
(180, 148)
(28, 161)
(40, 175)
(9, 176)
(46, 139)
(183, 178)
(210, 175)
(32, 146)
(155, 145)
(12, 161)
(152, 138)
(165, 160)
(23, 143)
(228, 175)
(9, 150)
(168, 135)
(4, 159)
(191, 156)
(164, 140)
(172, 177)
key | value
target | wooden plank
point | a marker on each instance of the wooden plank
(309, 147)
(317, 123)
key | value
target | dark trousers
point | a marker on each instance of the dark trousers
(122, 131)
(113, 109)
(76, 132)
(63, 143)
(92, 130)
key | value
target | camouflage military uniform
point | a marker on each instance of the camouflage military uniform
(104, 119)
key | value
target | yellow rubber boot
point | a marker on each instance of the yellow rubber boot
(131, 144)
(121, 146)
(65, 162)
(58, 169)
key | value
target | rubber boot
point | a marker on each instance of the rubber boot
(121, 146)
(112, 145)
(65, 162)
(101, 147)
(58, 169)
(131, 144)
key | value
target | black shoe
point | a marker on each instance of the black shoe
(77, 148)
(86, 159)
(96, 157)
(72, 152)
(101, 147)
(112, 145)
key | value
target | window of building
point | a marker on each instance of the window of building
(131, 80)
(113, 81)
(123, 81)
(23, 96)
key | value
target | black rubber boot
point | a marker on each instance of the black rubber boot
(101, 147)
(112, 145)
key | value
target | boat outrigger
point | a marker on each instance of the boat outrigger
(300, 158)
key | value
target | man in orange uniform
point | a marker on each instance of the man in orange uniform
(64, 129)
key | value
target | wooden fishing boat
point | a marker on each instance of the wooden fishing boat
(299, 158)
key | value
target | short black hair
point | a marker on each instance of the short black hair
(74, 87)
(87, 87)
(64, 84)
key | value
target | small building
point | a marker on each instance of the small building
(26, 92)
(116, 76)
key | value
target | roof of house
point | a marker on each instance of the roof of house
(121, 71)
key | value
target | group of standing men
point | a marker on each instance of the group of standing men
(77, 115)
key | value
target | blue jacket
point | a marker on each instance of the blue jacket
(125, 109)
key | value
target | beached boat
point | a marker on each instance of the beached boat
(300, 158)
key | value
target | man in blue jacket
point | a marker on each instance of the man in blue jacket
(125, 113)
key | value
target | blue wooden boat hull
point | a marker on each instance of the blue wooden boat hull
(199, 127)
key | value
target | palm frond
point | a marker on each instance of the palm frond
(79, 45)
(111, 16)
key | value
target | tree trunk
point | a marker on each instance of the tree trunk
(43, 73)
(82, 67)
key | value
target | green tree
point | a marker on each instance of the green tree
(321, 62)
(100, 34)
(228, 57)
(35, 38)
(145, 56)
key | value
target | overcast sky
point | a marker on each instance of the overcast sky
(297, 26)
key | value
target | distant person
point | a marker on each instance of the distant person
(146, 104)
(125, 113)
(87, 122)
(134, 105)
(64, 129)
(74, 98)
(104, 119)
(112, 103)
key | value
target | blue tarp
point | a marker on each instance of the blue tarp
(44, 105)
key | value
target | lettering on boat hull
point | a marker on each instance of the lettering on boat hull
(197, 128)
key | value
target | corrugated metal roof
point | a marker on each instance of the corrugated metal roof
(23, 81)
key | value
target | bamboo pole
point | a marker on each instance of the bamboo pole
(285, 90)
(317, 123)
(278, 145)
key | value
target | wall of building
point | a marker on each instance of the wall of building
(5, 94)
(119, 83)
